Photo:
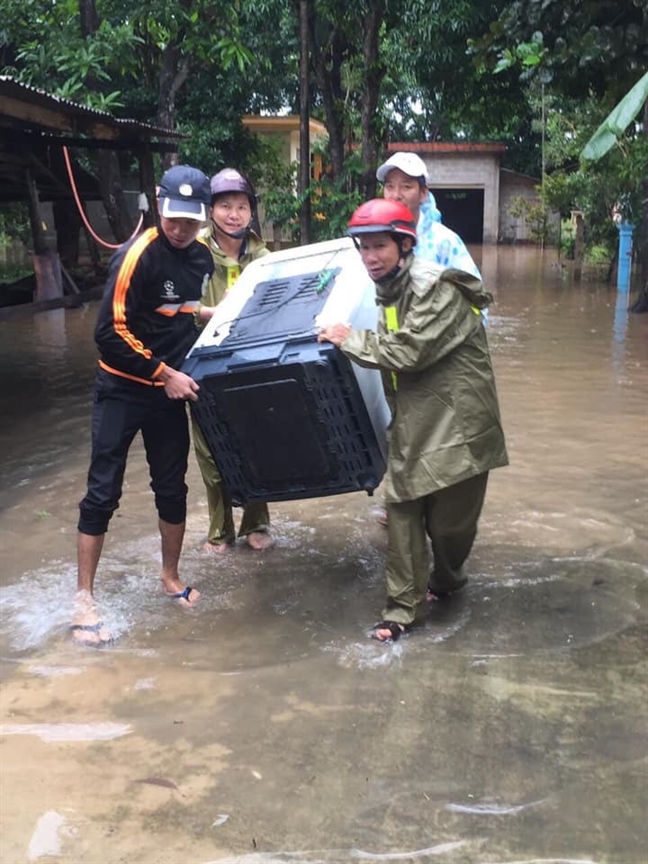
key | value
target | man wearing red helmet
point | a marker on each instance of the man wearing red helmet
(446, 433)
(233, 245)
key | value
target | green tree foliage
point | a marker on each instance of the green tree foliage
(136, 61)
(433, 84)
(381, 70)
(42, 44)
(634, 167)
(597, 46)
(582, 57)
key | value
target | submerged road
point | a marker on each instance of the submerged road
(265, 727)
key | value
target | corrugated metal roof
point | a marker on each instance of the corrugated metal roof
(26, 94)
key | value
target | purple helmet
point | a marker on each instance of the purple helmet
(231, 180)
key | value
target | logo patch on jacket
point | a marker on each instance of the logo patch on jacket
(169, 291)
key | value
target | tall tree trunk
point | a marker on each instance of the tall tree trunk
(89, 17)
(112, 193)
(327, 65)
(67, 223)
(374, 74)
(110, 183)
(304, 123)
(174, 72)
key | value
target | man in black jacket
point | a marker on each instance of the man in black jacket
(144, 329)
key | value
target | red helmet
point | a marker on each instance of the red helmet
(231, 180)
(381, 215)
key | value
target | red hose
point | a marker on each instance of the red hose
(83, 215)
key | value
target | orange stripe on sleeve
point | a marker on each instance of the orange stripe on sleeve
(134, 377)
(122, 285)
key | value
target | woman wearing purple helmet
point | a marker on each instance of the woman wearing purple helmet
(233, 245)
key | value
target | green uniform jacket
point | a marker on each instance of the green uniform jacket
(227, 270)
(446, 423)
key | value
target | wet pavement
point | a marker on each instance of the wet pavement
(264, 727)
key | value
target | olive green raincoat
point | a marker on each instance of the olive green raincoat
(255, 514)
(432, 349)
(226, 269)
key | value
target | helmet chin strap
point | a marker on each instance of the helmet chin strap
(387, 277)
(235, 235)
(398, 266)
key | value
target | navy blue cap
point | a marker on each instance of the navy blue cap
(184, 193)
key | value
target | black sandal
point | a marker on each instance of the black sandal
(395, 629)
(443, 595)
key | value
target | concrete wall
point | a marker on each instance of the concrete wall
(514, 229)
(469, 171)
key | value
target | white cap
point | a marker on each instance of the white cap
(409, 163)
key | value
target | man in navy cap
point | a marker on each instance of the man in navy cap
(144, 329)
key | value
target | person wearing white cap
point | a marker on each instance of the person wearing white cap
(144, 329)
(405, 178)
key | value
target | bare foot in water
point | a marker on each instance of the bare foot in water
(87, 628)
(218, 548)
(388, 631)
(260, 540)
(185, 595)
(381, 516)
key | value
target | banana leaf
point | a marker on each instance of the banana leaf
(617, 121)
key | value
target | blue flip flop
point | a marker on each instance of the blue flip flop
(182, 595)
(90, 628)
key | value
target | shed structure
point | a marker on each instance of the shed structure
(35, 129)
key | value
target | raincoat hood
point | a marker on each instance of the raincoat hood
(417, 273)
(429, 213)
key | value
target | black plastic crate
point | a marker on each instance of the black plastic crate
(282, 307)
(284, 419)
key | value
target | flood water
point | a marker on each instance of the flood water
(264, 727)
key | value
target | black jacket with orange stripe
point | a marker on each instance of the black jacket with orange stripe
(146, 317)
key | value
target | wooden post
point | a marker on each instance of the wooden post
(49, 282)
(47, 264)
(35, 218)
(147, 185)
(579, 242)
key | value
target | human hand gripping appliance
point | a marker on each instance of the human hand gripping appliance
(286, 417)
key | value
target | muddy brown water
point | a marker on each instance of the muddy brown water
(264, 726)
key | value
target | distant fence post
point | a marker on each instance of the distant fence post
(625, 255)
(579, 241)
